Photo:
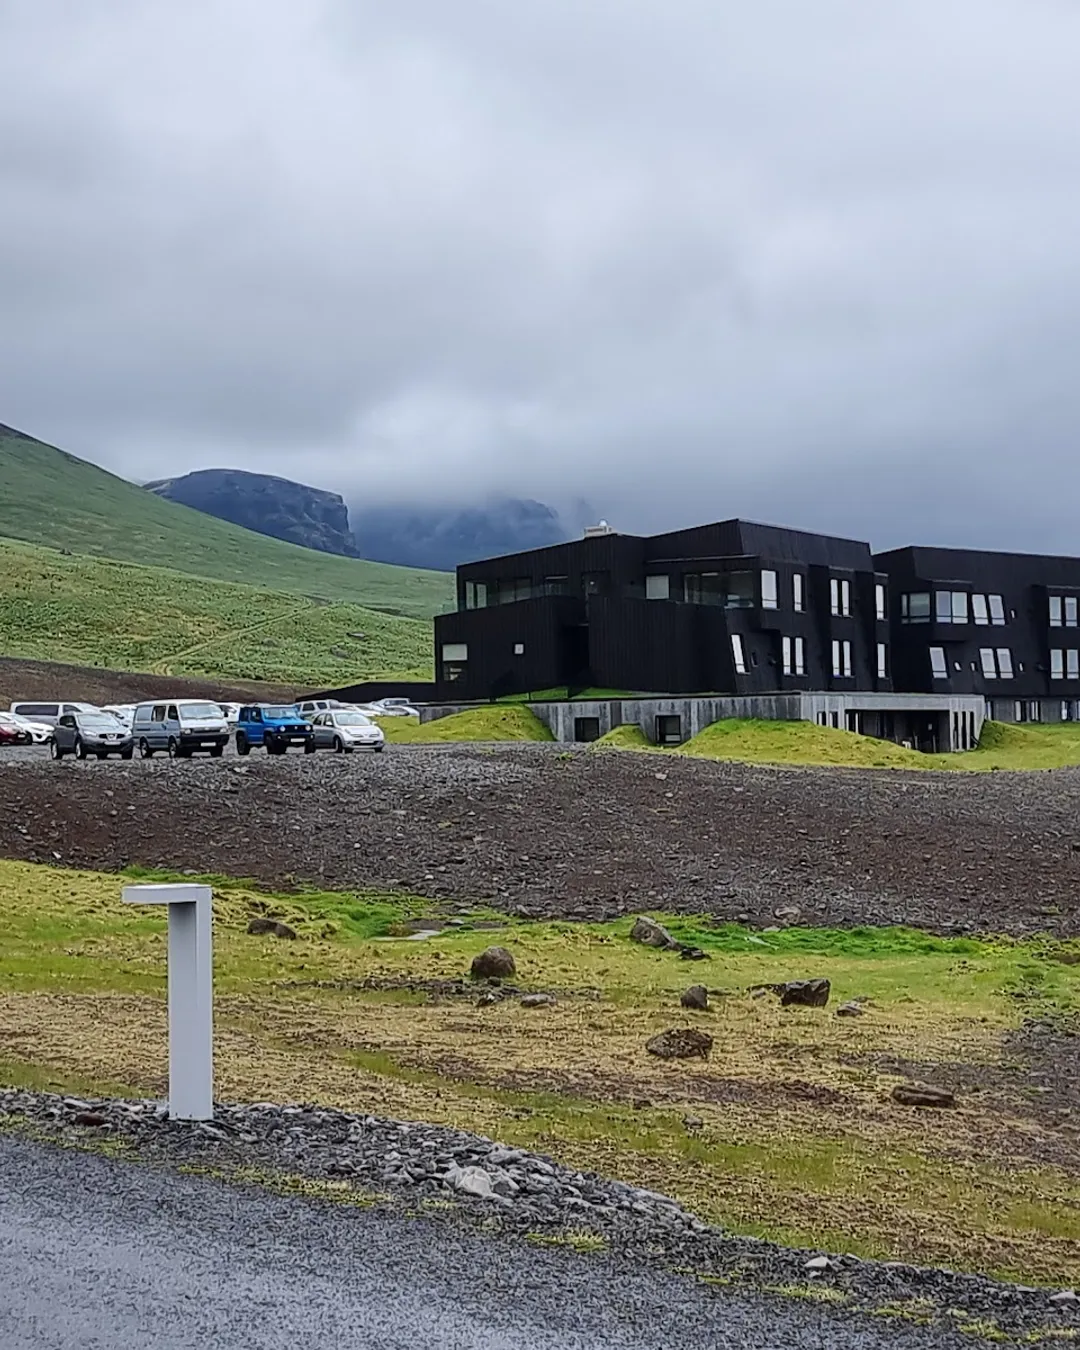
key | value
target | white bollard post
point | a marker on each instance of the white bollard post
(191, 995)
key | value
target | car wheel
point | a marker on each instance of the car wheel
(55, 751)
(103, 754)
(339, 746)
(216, 751)
(128, 753)
(309, 746)
(242, 746)
(172, 748)
(379, 749)
(144, 749)
(80, 749)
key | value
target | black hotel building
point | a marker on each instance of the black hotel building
(736, 608)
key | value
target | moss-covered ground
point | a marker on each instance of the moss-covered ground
(492, 722)
(787, 1131)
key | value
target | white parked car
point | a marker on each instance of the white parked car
(123, 712)
(40, 732)
(393, 707)
(345, 730)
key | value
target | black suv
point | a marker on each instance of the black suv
(91, 733)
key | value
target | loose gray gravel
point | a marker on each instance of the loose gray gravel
(472, 1184)
(546, 831)
(97, 1254)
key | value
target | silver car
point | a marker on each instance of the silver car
(94, 733)
(344, 730)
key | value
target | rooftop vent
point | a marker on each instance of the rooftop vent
(594, 531)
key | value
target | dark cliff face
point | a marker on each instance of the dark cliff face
(274, 506)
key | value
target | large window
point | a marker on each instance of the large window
(979, 612)
(657, 588)
(915, 608)
(951, 606)
(882, 661)
(557, 585)
(997, 609)
(794, 656)
(1065, 665)
(594, 583)
(798, 592)
(455, 656)
(840, 596)
(841, 659)
(476, 595)
(938, 666)
(1063, 611)
(880, 610)
(730, 590)
(1070, 611)
(997, 663)
(738, 653)
(769, 599)
(1055, 611)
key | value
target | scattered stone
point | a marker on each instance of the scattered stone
(260, 926)
(920, 1094)
(818, 1263)
(651, 934)
(494, 964)
(473, 1181)
(539, 1001)
(692, 953)
(696, 997)
(488, 1000)
(693, 1122)
(93, 1119)
(851, 1009)
(804, 993)
(788, 914)
(1065, 1296)
(681, 1043)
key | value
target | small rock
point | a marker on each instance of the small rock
(693, 1122)
(92, 1118)
(494, 964)
(681, 1043)
(696, 997)
(692, 953)
(818, 1263)
(804, 993)
(487, 1000)
(919, 1094)
(788, 913)
(473, 1181)
(1065, 1296)
(651, 934)
(759, 992)
(538, 1000)
(852, 1009)
(257, 927)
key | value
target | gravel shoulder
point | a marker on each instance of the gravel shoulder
(409, 1253)
(542, 831)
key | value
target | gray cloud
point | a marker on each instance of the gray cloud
(817, 264)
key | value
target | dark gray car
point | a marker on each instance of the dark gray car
(91, 733)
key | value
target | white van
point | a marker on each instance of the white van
(180, 727)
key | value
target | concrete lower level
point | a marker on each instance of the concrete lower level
(930, 722)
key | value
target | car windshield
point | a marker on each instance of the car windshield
(99, 722)
(280, 712)
(191, 712)
(352, 719)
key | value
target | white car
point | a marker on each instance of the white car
(41, 733)
(345, 730)
(123, 712)
(393, 707)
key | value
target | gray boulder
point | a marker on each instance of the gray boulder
(696, 997)
(921, 1094)
(274, 927)
(651, 934)
(538, 1001)
(804, 993)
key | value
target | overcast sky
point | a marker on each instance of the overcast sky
(809, 261)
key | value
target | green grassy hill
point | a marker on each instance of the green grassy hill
(51, 498)
(99, 612)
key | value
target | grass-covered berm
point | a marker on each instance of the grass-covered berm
(788, 1129)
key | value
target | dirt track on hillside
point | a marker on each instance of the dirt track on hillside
(41, 680)
(538, 830)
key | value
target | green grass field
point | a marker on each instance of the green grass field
(51, 498)
(787, 1131)
(96, 612)
(750, 741)
(491, 723)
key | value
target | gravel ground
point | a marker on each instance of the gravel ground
(543, 831)
(512, 1194)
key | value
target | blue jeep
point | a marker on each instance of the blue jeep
(274, 725)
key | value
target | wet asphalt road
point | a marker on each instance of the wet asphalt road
(98, 1254)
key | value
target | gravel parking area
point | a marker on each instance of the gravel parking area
(546, 831)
